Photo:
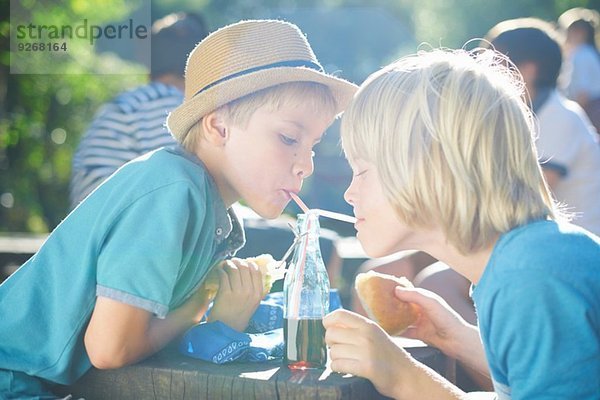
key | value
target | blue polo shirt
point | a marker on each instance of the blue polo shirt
(146, 237)
(538, 306)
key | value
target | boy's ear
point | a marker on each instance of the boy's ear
(215, 128)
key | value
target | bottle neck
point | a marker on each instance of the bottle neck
(308, 246)
(308, 224)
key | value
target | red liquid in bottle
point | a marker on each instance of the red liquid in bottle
(304, 343)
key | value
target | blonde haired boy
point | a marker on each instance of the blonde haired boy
(442, 152)
(122, 275)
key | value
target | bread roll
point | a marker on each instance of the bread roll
(376, 293)
(269, 267)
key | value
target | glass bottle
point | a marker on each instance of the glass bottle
(306, 299)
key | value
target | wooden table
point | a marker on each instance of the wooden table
(169, 375)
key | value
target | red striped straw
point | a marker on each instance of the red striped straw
(302, 264)
(299, 201)
(302, 260)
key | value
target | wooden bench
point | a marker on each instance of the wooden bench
(15, 249)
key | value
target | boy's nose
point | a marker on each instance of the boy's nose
(304, 166)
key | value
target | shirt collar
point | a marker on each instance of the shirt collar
(236, 238)
(229, 231)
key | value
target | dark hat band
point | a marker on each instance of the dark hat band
(290, 63)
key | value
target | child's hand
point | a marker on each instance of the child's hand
(438, 324)
(240, 293)
(361, 347)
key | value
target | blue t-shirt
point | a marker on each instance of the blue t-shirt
(146, 237)
(538, 305)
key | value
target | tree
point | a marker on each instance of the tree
(42, 117)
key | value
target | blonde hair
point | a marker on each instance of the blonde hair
(452, 141)
(316, 96)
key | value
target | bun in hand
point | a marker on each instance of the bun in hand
(271, 270)
(376, 293)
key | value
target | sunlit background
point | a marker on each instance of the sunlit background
(42, 116)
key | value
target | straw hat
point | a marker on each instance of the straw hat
(243, 58)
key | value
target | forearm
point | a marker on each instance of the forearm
(424, 383)
(119, 334)
(162, 331)
(466, 348)
(428, 384)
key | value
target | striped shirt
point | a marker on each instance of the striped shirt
(127, 127)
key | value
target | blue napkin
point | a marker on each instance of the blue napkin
(263, 340)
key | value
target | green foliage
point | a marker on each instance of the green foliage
(40, 130)
(451, 23)
(42, 117)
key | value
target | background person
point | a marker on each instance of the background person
(566, 142)
(580, 79)
(134, 122)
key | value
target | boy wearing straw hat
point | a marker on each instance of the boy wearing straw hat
(122, 275)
